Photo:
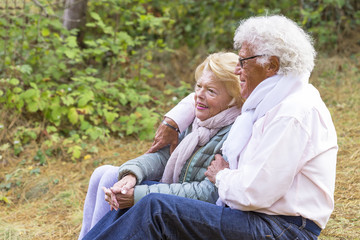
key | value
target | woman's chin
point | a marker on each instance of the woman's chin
(201, 116)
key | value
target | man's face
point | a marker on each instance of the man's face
(251, 74)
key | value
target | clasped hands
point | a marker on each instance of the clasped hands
(121, 195)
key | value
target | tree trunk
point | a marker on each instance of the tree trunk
(74, 14)
(75, 17)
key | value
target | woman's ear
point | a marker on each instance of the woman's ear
(273, 66)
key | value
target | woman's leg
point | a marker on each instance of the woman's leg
(108, 180)
(95, 206)
(102, 210)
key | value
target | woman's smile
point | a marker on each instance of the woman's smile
(201, 106)
(211, 96)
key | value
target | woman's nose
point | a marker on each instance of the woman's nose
(200, 93)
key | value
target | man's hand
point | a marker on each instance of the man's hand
(125, 200)
(119, 200)
(165, 136)
(122, 187)
(216, 166)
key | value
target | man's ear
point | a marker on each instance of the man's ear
(273, 66)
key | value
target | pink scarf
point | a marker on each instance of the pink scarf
(202, 132)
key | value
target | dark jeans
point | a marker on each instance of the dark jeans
(161, 216)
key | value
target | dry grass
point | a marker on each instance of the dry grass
(49, 205)
(342, 95)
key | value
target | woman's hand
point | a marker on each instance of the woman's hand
(110, 198)
(126, 183)
(165, 136)
(216, 166)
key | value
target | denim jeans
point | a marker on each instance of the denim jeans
(161, 216)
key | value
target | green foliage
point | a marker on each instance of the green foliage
(35, 171)
(11, 180)
(4, 199)
(83, 91)
(81, 86)
(40, 157)
(211, 23)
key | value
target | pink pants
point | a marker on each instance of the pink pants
(95, 206)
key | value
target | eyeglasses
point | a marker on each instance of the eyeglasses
(241, 60)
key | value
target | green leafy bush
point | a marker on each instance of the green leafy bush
(210, 24)
(72, 88)
(88, 92)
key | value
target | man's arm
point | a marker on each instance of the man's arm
(167, 133)
(184, 112)
(268, 167)
(180, 117)
(215, 167)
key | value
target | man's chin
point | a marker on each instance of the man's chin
(244, 94)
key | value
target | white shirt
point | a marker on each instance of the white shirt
(289, 165)
(184, 112)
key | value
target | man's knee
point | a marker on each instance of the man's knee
(155, 202)
(153, 197)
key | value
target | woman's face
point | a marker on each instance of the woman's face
(211, 96)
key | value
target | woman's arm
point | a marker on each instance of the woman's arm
(146, 167)
(203, 190)
(132, 172)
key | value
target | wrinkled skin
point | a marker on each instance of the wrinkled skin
(165, 136)
(216, 165)
(121, 195)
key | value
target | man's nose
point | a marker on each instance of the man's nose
(237, 69)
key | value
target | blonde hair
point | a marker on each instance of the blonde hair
(223, 64)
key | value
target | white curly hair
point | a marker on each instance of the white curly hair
(277, 36)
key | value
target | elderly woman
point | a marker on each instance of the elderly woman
(217, 104)
(279, 177)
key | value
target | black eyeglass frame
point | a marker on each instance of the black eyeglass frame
(244, 59)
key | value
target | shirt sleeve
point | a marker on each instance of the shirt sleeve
(146, 167)
(267, 169)
(203, 190)
(184, 112)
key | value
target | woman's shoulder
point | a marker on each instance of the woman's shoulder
(223, 131)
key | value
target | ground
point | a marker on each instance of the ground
(47, 203)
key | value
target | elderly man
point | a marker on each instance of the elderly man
(277, 174)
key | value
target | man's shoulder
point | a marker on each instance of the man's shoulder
(300, 105)
(308, 110)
